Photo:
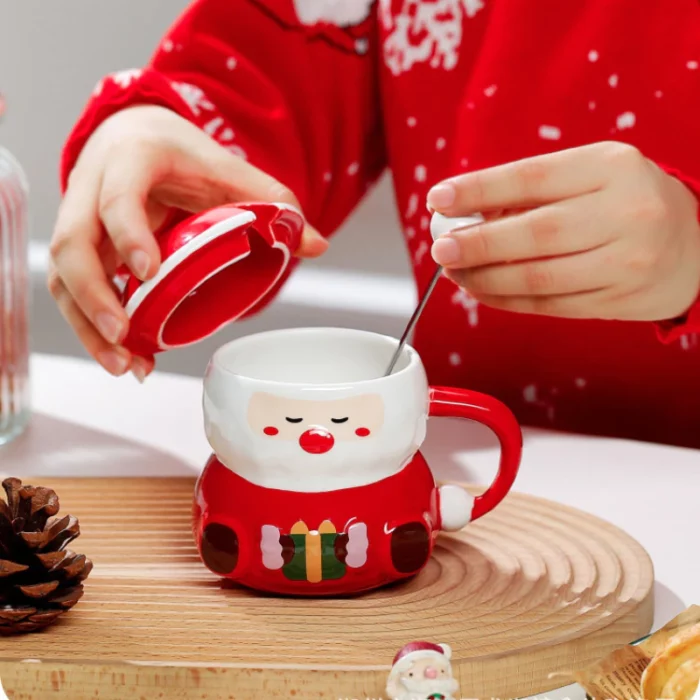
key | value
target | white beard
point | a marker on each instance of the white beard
(420, 689)
(342, 13)
(284, 465)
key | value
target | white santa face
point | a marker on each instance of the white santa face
(341, 13)
(319, 426)
(425, 675)
(309, 410)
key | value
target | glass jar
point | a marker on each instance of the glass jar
(14, 298)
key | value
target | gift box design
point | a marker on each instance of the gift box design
(314, 555)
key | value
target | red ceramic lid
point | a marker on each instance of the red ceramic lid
(215, 267)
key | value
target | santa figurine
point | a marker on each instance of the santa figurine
(422, 671)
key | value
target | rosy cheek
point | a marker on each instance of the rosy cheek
(271, 430)
(362, 432)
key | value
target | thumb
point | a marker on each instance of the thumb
(228, 178)
(312, 244)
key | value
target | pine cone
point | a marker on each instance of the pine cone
(39, 578)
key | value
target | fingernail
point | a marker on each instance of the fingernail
(313, 233)
(445, 251)
(140, 264)
(114, 362)
(442, 196)
(312, 244)
(109, 326)
(139, 371)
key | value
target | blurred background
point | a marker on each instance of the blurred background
(52, 54)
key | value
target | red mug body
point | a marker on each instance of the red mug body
(317, 486)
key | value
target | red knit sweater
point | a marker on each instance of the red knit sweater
(325, 95)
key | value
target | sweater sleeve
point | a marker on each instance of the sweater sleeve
(297, 98)
(673, 330)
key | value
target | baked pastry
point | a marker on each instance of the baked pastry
(683, 684)
(674, 672)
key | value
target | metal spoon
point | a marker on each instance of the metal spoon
(439, 226)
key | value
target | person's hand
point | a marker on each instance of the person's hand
(136, 167)
(591, 232)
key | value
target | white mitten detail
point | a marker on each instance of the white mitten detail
(271, 547)
(455, 507)
(357, 545)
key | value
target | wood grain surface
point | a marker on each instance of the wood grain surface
(530, 590)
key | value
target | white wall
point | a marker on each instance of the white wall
(52, 53)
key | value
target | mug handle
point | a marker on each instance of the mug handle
(460, 403)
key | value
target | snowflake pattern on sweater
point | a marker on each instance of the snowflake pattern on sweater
(424, 32)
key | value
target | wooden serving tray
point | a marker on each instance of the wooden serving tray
(532, 589)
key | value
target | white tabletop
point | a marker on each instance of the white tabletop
(651, 491)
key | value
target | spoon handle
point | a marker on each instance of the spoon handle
(414, 319)
(439, 225)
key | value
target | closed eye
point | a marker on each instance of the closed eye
(339, 420)
(294, 420)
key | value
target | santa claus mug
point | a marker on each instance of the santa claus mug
(316, 485)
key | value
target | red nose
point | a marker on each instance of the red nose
(316, 441)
